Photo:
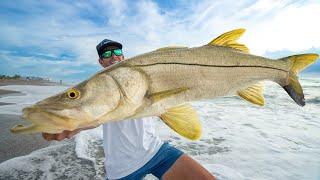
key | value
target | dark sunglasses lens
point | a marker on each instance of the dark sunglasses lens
(107, 54)
(117, 52)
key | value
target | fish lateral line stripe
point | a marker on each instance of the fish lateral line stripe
(206, 65)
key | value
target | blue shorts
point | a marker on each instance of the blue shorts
(159, 164)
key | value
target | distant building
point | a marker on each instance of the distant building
(33, 78)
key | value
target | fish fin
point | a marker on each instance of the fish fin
(21, 129)
(170, 48)
(229, 39)
(183, 120)
(239, 46)
(298, 63)
(155, 97)
(253, 94)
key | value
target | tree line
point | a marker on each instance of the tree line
(16, 76)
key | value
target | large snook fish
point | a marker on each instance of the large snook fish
(158, 83)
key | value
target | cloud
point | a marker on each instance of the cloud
(289, 29)
(63, 35)
(11, 64)
(271, 25)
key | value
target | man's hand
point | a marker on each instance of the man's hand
(64, 134)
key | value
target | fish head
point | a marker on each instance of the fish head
(76, 107)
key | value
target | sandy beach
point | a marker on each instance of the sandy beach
(13, 145)
(4, 82)
(7, 92)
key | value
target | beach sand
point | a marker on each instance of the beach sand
(14, 145)
(7, 92)
(4, 82)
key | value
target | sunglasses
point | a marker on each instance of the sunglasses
(107, 54)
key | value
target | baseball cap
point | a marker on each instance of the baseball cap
(101, 47)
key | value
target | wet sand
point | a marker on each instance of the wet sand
(4, 82)
(14, 145)
(2, 103)
(5, 92)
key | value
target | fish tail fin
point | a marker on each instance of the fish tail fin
(292, 86)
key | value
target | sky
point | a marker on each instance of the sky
(57, 39)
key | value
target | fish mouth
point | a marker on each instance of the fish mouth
(44, 120)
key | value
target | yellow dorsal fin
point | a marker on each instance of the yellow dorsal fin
(253, 94)
(183, 120)
(240, 47)
(155, 97)
(170, 48)
(229, 39)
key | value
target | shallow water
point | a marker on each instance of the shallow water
(240, 141)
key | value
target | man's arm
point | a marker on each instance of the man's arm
(64, 134)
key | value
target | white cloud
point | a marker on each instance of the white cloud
(271, 25)
(292, 28)
(115, 10)
(143, 26)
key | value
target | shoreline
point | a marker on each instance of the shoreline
(4, 92)
(3, 104)
(14, 145)
(5, 82)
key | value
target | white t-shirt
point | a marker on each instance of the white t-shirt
(129, 145)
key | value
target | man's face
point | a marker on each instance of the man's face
(105, 62)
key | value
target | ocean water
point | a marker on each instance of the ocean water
(240, 141)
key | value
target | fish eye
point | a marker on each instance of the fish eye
(73, 93)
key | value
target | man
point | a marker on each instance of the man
(131, 147)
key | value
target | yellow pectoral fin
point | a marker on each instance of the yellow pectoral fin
(253, 94)
(229, 39)
(183, 120)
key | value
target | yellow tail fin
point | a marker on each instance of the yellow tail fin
(298, 63)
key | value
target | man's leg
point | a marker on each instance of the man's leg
(186, 168)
